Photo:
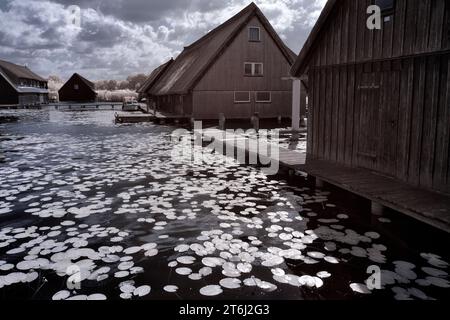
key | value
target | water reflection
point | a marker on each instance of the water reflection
(78, 192)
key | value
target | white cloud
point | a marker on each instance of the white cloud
(108, 46)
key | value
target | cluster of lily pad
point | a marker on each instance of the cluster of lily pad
(95, 208)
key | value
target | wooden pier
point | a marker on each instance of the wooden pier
(139, 117)
(288, 159)
(85, 106)
(8, 119)
(426, 206)
(429, 207)
(20, 107)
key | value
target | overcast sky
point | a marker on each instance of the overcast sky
(122, 37)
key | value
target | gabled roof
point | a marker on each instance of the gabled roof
(299, 66)
(196, 59)
(86, 81)
(14, 72)
(154, 76)
(81, 78)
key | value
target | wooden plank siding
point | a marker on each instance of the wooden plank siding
(202, 81)
(418, 27)
(392, 82)
(410, 130)
(214, 93)
(77, 89)
(9, 95)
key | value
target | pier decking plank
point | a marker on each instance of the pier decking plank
(429, 207)
(287, 158)
(426, 206)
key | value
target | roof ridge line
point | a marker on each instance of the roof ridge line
(251, 7)
(266, 24)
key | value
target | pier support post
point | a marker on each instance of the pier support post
(319, 183)
(296, 87)
(255, 122)
(279, 120)
(377, 209)
(303, 104)
(222, 121)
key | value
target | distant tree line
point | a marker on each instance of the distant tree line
(107, 90)
(132, 83)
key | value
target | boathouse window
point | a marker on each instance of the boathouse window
(263, 96)
(386, 6)
(253, 69)
(248, 69)
(254, 34)
(241, 96)
(76, 87)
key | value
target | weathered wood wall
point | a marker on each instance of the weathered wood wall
(380, 99)
(83, 94)
(174, 104)
(214, 93)
(7, 93)
(32, 98)
(209, 104)
(416, 27)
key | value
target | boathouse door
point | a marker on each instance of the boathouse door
(369, 119)
(378, 121)
(389, 121)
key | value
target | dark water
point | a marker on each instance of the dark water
(112, 205)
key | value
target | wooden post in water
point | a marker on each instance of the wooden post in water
(319, 183)
(296, 87)
(377, 209)
(255, 122)
(303, 97)
(222, 121)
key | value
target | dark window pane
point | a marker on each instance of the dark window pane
(242, 96)
(385, 4)
(254, 34)
(248, 69)
(263, 97)
(258, 69)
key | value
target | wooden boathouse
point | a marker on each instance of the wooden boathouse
(379, 108)
(238, 69)
(144, 90)
(19, 86)
(77, 89)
